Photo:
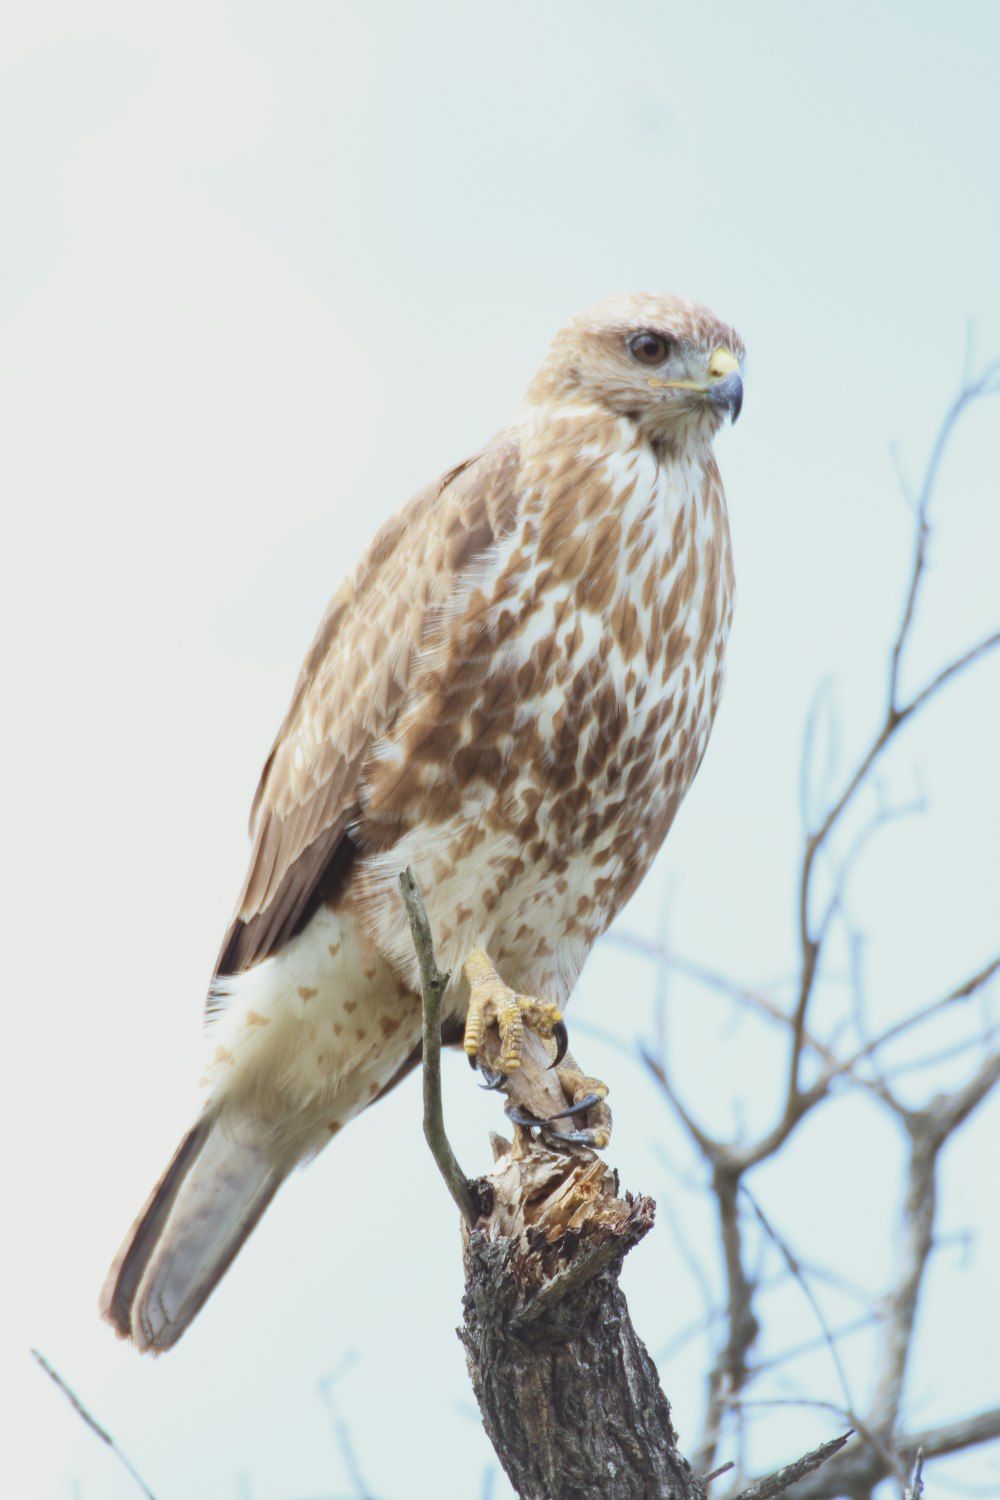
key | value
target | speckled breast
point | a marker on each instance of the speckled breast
(577, 708)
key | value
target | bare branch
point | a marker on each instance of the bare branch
(91, 1422)
(973, 389)
(915, 1488)
(820, 700)
(798, 1275)
(758, 1000)
(820, 914)
(809, 1346)
(717, 1473)
(949, 1111)
(928, 1130)
(795, 1269)
(818, 921)
(947, 1054)
(432, 987)
(325, 1386)
(542, 1303)
(783, 1479)
(810, 942)
(755, 997)
(730, 1372)
(743, 1325)
(852, 1473)
(917, 1228)
(712, 1150)
(691, 1260)
(963, 991)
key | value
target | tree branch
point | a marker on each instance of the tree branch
(820, 915)
(863, 1467)
(91, 1422)
(569, 1395)
(928, 1130)
(432, 987)
(783, 1479)
(810, 943)
(545, 1237)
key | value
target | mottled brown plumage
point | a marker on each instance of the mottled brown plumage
(511, 693)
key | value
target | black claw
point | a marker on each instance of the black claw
(516, 1117)
(561, 1037)
(575, 1137)
(580, 1108)
(473, 1060)
(492, 1080)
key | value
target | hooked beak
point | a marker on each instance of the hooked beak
(727, 392)
(725, 386)
(725, 383)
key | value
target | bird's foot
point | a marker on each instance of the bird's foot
(494, 1003)
(587, 1103)
(491, 1002)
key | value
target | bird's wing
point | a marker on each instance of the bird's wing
(352, 686)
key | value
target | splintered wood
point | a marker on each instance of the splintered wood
(569, 1395)
(563, 1212)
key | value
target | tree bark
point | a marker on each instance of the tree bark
(570, 1398)
(569, 1395)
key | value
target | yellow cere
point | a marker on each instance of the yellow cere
(723, 362)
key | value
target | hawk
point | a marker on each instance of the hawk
(511, 694)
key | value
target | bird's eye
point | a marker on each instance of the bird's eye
(649, 348)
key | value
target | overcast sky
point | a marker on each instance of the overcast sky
(264, 270)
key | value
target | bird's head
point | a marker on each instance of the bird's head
(669, 365)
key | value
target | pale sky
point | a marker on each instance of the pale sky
(266, 269)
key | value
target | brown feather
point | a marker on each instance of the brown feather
(352, 686)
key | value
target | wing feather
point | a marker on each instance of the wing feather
(352, 686)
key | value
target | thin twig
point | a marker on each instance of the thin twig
(693, 1262)
(972, 390)
(820, 701)
(795, 1269)
(730, 1371)
(864, 1467)
(822, 885)
(810, 943)
(91, 1422)
(341, 1431)
(783, 1479)
(712, 1150)
(915, 1488)
(717, 1473)
(809, 1346)
(432, 987)
(759, 1001)
(963, 991)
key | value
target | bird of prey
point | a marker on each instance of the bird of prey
(511, 694)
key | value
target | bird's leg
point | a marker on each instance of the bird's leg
(492, 1002)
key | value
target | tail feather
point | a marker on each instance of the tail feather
(198, 1215)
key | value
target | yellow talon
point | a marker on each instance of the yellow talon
(491, 1002)
(592, 1094)
(494, 1003)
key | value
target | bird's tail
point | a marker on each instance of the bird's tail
(197, 1217)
